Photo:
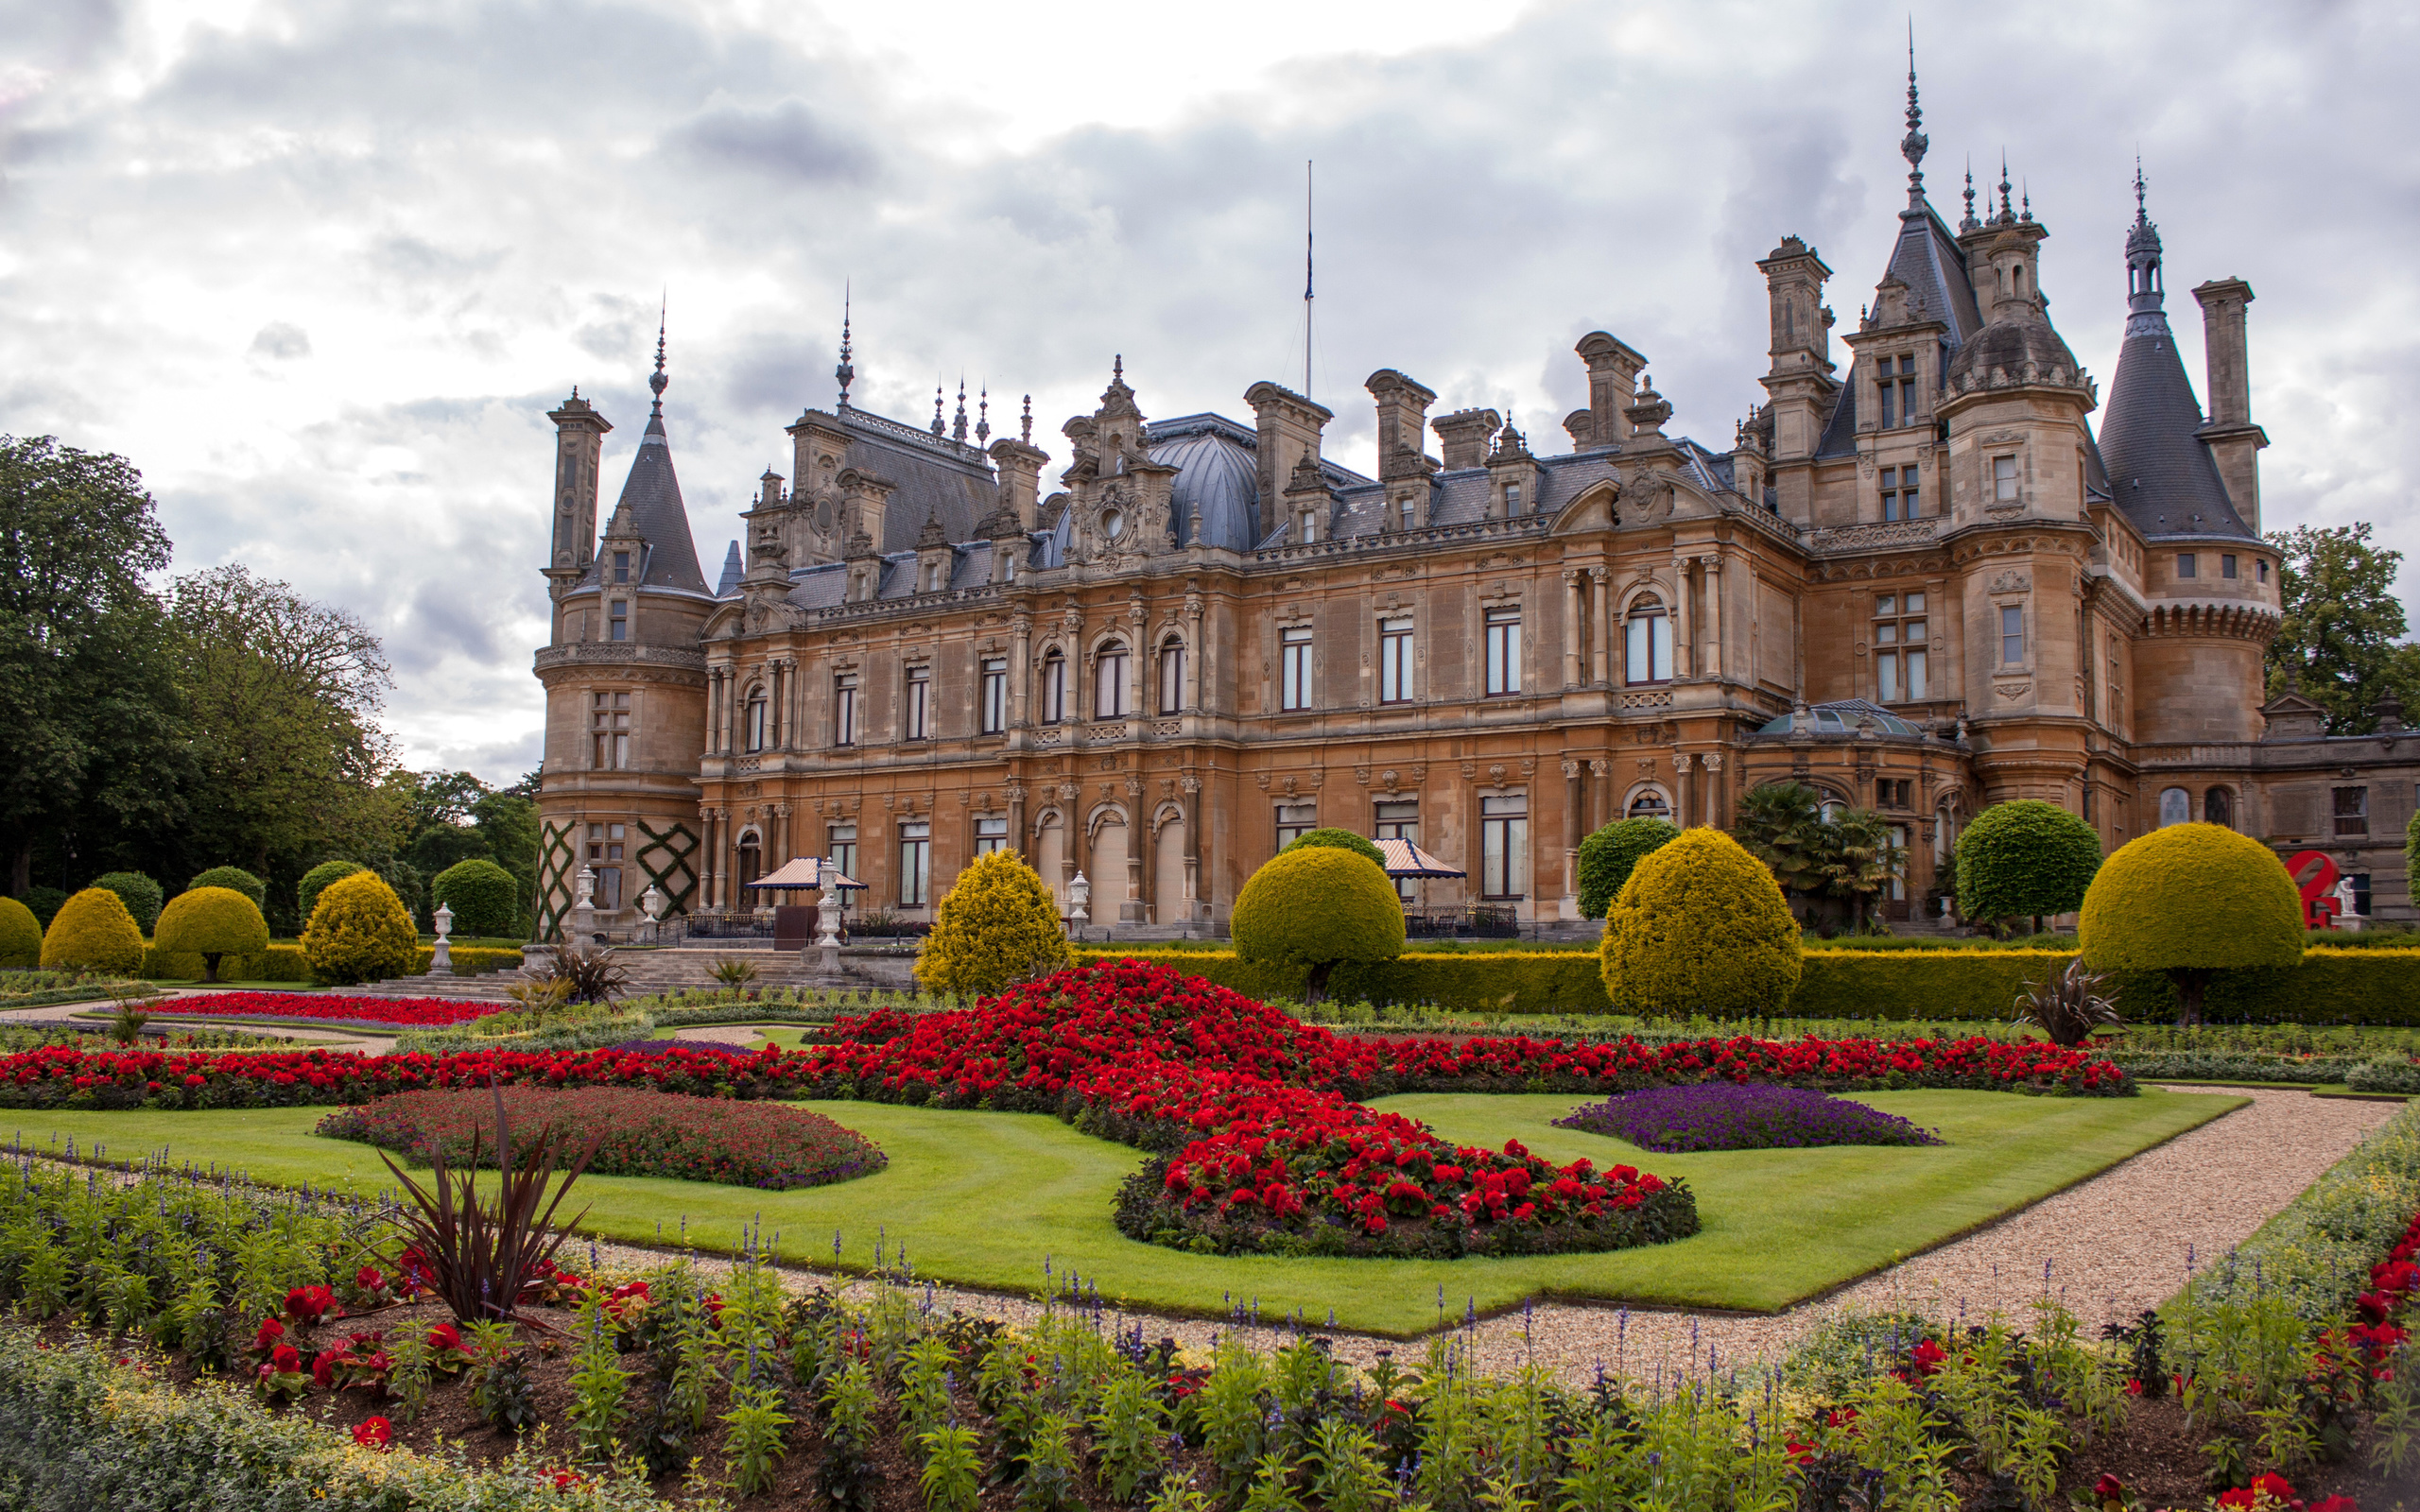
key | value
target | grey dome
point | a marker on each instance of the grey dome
(1841, 718)
(2008, 345)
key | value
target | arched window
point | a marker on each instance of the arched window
(1830, 810)
(1171, 675)
(2175, 806)
(1646, 640)
(1054, 689)
(1650, 805)
(2217, 807)
(759, 711)
(1109, 683)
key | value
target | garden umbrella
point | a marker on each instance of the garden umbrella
(1405, 859)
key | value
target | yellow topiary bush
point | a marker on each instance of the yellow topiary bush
(359, 932)
(2191, 899)
(212, 924)
(93, 931)
(20, 936)
(1700, 927)
(1318, 907)
(997, 925)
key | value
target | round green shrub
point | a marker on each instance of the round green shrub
(306, 892)
(2191, 899)
(212, 924)
(94, 932)
(2025, 858)
(141, 895)
(45, 903)
(997, 925)
(1607, 856)
(237, 879)
(20, 936)
(1700, 927)
(1342, 840)
(485, 899)
(359, 932)
(1318, 906)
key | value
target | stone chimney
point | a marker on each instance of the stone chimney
(1289, 431)
(1020, 464)
(1613, 372)
(1403, 424)
(2234, 441)
(1466, 433)
(580, 440)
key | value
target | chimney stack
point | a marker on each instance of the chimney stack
(579, 441)
(2234, 441)
(1613, 375)
(1465, 434)
(1289, 432)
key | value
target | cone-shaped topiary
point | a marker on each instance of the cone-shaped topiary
(1318, 906)
(237, 878)
(139, 894)
(2191, 899)
(998, 925)
(359, 932)
(485, 899)
(212, 924)
(1700, 927)
(2023, 858)
(93, 931)
(306, 892)
(20, 936)
(1342, 840)
(1607, 856)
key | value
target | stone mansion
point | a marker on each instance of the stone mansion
(1917, 578)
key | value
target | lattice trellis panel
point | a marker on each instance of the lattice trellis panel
(558, 876)
(669, 860)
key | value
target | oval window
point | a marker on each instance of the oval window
(1114, 525)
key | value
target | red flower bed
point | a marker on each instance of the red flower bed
(412, 1013)
(640, 1133)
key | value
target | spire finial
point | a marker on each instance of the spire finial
(937, 428)
(2029, 203)
(1912, 146)
(2141, 213)
(2007, 213)
(2144, 288)
(1025, 435)
(845, 372)
(1117, 368)
(1970, 222)
(957, 426)
(983, 417)
(657, 380)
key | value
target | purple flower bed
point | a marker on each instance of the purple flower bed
(1723, 1116)
(657, 1047)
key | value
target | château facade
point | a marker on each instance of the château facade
(1916, 578)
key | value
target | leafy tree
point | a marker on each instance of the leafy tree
(359, 932)
(89, 743)
(236, 878)
(94, 932)
(306, 892)
(1342, 840)
(2342, 635)
(997, 925)
(1607, 856)
(2191, 899)
(20, 936)
(212, 924)
(485, 900)
(2025, 857)
(1318, 906)
(507, 821)
(141, 895)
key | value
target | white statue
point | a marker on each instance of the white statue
(2345, 916)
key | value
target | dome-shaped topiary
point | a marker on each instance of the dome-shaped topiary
(93, 931)
(359, 932)
(997, 925)
(1318, 906)
(2023, 858)
(2191, 899)
(485, 900)
(20, 936)
(1607, 856)
(306, 892)
(1700, 927)
(212, 924)
(139, 894)
(1340, 840)
(236, 878)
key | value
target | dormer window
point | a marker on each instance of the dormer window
(1896, 380)
(621, 566)
(1512, 499)
(617, 620)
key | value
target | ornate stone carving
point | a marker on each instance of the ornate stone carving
(2010, 582)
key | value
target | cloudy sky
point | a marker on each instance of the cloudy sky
(320, 267)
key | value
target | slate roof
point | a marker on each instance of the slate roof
(827, 585)
(732, 570)
(652, 496)
(936, 477)
(1461, 497)
(1841, 716)
(1217, 470)
(1925, 258)
(2158, 471)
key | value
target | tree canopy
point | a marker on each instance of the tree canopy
(2342, 635)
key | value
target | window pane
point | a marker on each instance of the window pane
(1916, 675)
(1886, 674)
(1915, 603)
(1662, 628)
(2226, 566)
(2011, 636)
(2184, 565)
(1887, 633)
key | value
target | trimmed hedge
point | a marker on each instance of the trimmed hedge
(2025, 857)
(20, 936)
(484, 897)
(236, 878)
(997, 924)
(1339, 840)
(93, 931)
(1612, 853)
(285, 963)
(306, 892)
(1701, 926)
(1319, 907)
(138, 891)
(212, 924)
(359, 932)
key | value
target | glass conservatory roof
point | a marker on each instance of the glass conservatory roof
(1841, 718)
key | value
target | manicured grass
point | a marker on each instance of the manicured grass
(983, 1198)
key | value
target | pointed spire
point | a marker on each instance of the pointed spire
(846, 372)
(658, 382)
(1026, 434)
(957, 425)
(983, 417)
(1912, 146)
(2007, 214)
(937, 428)
(2029, 203)
(1970, 222)
(2145, 291)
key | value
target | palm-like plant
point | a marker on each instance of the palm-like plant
(1781, 825)
(481, 1252)
(2067, 1005)
(589, 973)
(1858, 859)
(733, 971)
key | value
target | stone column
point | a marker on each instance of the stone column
(706, 857)
(1018, 838)
(1142, 857)
(1602, 772)
(1071, 804)
(1575, 640)
(1137, 632)
(1714, 617)
(1599, 592)
(1573, 834)
(1020, 676)
(1717, 797)
(1191, 788)
(1193, 661)
(714, 702)
(1685, 625)
(1681, 808)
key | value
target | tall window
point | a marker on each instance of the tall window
(1109, 684)
(1901, 498)
(1400, 820)
(1899, 653)
(1394, 661)
(2261, 564)
(1503, 651)
(2185, 564)
(1294, 820)
(2175, 806)
(1899, 867)
(841, 843)
(609, 718)
(844, 711)
(919, 703)
(1647, 644)
(617, 620)
(758, 710)
(1512, 498)
(1173, 677)
(1504, 847)
(1294, 667)
(1893, 792)
(621, 566)
(2226, 566)
(2011, 636)
(1054, 689)
(2352, 805)
(995, 695)
(2217, 807)
(2004, 479)
(1897, 383)
(915, 863)
(991, 834)
(605, 847)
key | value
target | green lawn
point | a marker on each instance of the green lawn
(983, 1198)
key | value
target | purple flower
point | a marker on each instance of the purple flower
(1725, 1116)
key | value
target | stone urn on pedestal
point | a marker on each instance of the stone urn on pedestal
(440, 961)
(1079, 898)
(828, 920)
(583, 907)
(651, 903)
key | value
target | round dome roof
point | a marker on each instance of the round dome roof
(2008, 345)
(1841, 718)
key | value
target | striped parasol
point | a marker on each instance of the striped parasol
(1405, 859)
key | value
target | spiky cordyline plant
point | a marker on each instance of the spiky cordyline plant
(480, 1252)
(2067, 1005)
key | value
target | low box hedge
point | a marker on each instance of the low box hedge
(285, 963)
